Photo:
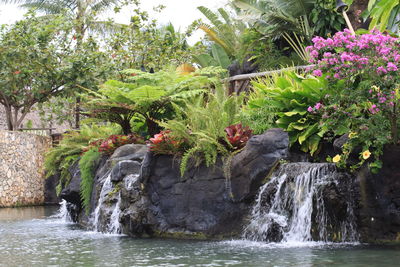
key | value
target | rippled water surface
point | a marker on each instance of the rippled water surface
(31, 237)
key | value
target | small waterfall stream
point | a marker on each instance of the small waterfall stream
(304, 202)
(106, 188)
(114, 225)
(105, 209)
(62, 213)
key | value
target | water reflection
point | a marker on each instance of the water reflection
(28, 237)
(26, 213)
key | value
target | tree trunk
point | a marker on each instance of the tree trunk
(126, 126)
(80, 34)
(152, 127)
(77, 112)
(354, 14)
(9, 118)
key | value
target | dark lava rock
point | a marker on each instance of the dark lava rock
(123, 168)
(71, 193)
(339, 142)
(196, 203)
(378, 199)
(259, 157)
(50, 194)
(157, 201)
(135, 152)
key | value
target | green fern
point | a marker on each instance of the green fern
(202, 122)
(147, 96)
(87, 165)
(61, 157)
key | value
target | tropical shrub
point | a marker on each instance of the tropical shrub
(110, 144)
(238, 135)
(367, 105)
(201, 124)
(87, 165)
(148, 97)
(61, 157)
(165, 143)
(293, 100)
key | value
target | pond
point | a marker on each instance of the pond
(33, 237)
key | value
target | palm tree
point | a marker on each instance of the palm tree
(223, 30)
(274, 17)
(83, 12)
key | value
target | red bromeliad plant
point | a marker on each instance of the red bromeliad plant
(238, 135)
(109, 145)
(165, 143)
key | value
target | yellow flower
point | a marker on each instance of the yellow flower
(352, 135)
(366, 154)
(336, 158)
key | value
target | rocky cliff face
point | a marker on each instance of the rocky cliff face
(143, 195)
(379, 200)
(153, 199)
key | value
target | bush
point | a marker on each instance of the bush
(291, 100)
(238, 135)
(366, 106)
(61, 157)
(201, 125)
(87, 165)
(110, 144)
(166, 143)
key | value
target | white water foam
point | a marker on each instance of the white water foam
(291, 206)
(62, 213)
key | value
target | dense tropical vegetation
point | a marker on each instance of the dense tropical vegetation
(143, 82)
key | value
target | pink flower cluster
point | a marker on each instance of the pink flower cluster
(382, 100)
(315, 108)
(345, 54)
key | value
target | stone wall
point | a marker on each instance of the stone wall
(21, 168)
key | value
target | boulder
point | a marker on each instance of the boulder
(198, 203)
(378, 198)
(50, 194)
(123, 168)
(135, 152)
(71, 193)
(259, 157)
(339, 142)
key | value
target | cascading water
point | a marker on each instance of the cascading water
(114, 225)
(106, 188)
(63, 213)
(304, 202)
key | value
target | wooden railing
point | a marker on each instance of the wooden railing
(241, 83)
(55, 137)
(38, 131)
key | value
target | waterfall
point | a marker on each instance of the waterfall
(63, 213)
(304, 202)
(105, 217)
(106, 188)
(114, 226)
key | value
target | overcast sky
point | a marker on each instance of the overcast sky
(180, 12)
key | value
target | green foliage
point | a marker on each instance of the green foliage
(256, 114)
(61, 157)
(324, 18)
(274, 17)
(288, 97)
(145, 44)
(201, 123)
(384, 14)
(148, 97)
(27, 80)
(87, 165)
(224, 30)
